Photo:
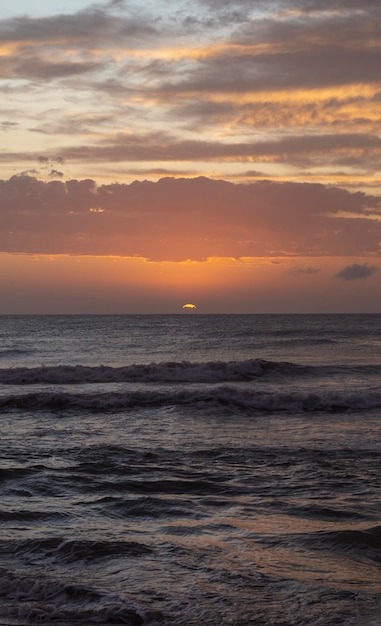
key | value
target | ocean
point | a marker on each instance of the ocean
(190, 470)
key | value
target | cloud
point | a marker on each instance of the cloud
(271, 53)
(304, 6)
(74, 124)
(232, 72)
(334, 5)
(66, 45)
(82, 28)
(356, 272)
(294, 85)
(46, 166)
(159, 146)
(116, 3)
(304, 270)
(39, 68)
(357, 149)
(7, 126)
(180, 219)
(55, 174)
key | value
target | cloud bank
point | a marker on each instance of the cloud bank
(180, 219)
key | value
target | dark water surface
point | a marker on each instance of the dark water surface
(190, 470)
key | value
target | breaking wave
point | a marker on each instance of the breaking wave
(183, 371)
(169, 372)
(223, 398)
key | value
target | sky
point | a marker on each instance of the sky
(221, 152)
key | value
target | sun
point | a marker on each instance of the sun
(189, 306)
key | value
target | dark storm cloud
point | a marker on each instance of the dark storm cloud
(179, 219)
(356, 271)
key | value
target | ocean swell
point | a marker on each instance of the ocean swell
(224, 398)
(48, 600)
(169, 372)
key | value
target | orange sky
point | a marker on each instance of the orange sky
(219, 152)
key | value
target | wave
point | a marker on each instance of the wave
(7, 352)
(61, 550)
(221, 399)
(364, 544)
(47, 600)
(354, 544)
(171, 372)
(176, 371)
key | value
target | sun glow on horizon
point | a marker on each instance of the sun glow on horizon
(53, 284)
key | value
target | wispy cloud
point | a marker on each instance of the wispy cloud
(308, 271)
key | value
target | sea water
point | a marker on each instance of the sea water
(190, 470)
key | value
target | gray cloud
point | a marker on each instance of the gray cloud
(6, 126)
(333, 49)
(297, 150)
(37, 68)
(179, 219)
(361, 150)
(301, 5)
(304, 270)
(343, 5)
(336, 48)
(356, 272)
(331, 28)
(309, 69)
(333, 113)
(57, 122)
(84, 27)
